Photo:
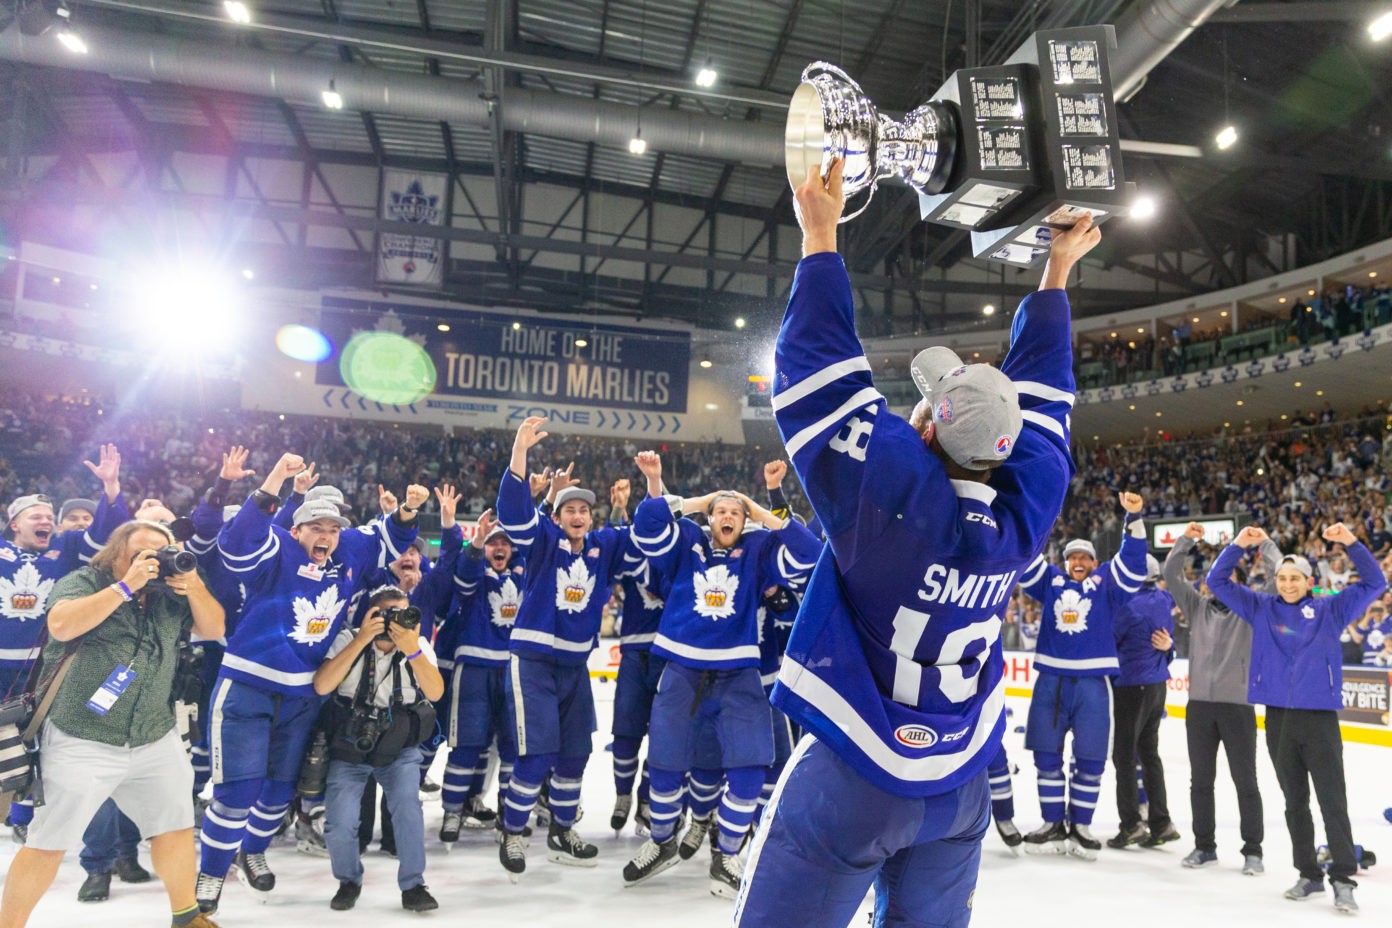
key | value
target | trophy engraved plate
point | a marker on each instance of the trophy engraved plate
(1067, 215)
(1075, 62)
(1082, 114)
(997, 98)
(965, 215)
(1088, 167)
(1016, 253)
(988, 195)
(1003, 148)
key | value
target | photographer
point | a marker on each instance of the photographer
(385, 675)
(111, 730)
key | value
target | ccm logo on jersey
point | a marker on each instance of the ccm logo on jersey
(916, 736)
(981, 517)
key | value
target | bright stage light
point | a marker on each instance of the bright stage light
(303, 343)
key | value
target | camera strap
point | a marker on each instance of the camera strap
(398, 661)
(367, 680)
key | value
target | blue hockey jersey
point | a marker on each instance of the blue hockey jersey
(27, 577)
(486, 603)
(565, 592)
(293, 607)
(227, 587)
(895, 658)
(645, 596)
(1075, 630)
(711, 620)
(433, 595)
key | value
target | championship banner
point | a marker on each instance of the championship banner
(421, 199)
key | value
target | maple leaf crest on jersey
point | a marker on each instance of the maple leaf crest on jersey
(574, 586)
(1071, 612)
(505, 602)
(314, 620)
(24, 597)
(715, 592)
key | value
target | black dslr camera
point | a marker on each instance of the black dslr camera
(408, 617)
(365, 727)
(173, 561)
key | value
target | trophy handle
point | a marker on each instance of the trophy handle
(824, 67)
(870, 196)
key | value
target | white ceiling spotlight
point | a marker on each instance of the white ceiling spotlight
(1381, 27)
(1226, 138)
(1144, 207)
(707, 76)
(637, 145)
(237, 11)
(332, 98)
(988, 310)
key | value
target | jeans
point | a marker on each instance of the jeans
(1207, 725)
(110, 837)
(400, 781)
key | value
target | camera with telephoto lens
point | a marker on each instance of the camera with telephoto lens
(173, 561)
(407, 617)
(365, 727)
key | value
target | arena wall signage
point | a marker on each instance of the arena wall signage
(422, 199)
(1216, 531)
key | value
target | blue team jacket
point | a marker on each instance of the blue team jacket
(1141, 615)
(1296, 659)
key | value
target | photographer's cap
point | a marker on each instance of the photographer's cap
(86, 505)
(28, 502)
(316, 510)
(332, 494)
(1079, 545)
(572, 493)
(975, 408)
(1298, 562)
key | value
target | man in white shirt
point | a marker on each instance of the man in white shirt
(384, 677)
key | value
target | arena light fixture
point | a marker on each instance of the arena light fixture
(705, 362)
(1195, 320)
(1132, 407)
(988, 310)
(248, 274)
(1372, 273)
(72, 41)
(1282, 300)
(1224, 314)
(582, 342)
(1298, 383)
(1309, 293)
(637, 145)
(712, 407)
(707, 76)
(1381, 27)
(1226, 138)
(739, 322)
(237, 11)
(332, 98)
(516, 326)
(1144, 207)
(442, 327)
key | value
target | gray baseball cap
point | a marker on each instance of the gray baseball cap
(1298, 562)
(314, 510)
(1079, 544)
(975, 408)
(332, 494)
(86, 505)
(570, 493)
(1152, 568)
(28, 502)
(496, 532)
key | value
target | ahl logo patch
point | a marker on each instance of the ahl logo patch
(944, 410)
(916, 736)
(1003, 445)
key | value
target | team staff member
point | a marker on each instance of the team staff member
(111, 732)
(1296, 673)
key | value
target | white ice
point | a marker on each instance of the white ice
(1135, 888)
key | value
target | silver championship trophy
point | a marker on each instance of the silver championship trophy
(1009, 152)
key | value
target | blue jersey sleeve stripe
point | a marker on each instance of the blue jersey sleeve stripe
(1118, 565)
(656, 548)
(271, 541)
(970, 489)
(862, 399)
(814, 382)
(1129, 586)
(659, 538)
(521, 527)
(1044, 392)
(1044, 422)
(1037, 570)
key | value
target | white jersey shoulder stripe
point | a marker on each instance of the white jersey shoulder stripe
(814, 382)
(865, 397)
(1043, 421)
(1043, 391)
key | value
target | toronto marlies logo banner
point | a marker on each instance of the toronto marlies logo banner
(419, 199)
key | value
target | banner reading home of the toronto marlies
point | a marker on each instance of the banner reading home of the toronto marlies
(420, 199)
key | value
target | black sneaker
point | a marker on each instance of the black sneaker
(1163, 836)
(623, 807)
(96, 888)
(1049, 838)
(1125, 837)
(565, 846)
(208, 890)
(346, 897)
(726, 871)
(512, 853)
(253, 870)
(128, 870)
(418, 899)
(652, 859)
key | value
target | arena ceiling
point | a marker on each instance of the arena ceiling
(556, 214)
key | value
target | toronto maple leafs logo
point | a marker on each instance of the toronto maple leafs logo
(1229, 374)
(715, 592)
(1256, 368)
(574, 586)
(313, 621)
(1367, 341)
(1179, 384)
(1205, 378)
(1128, 392)
(1071, 612)
(1105, 394)
(414, 205)
(24, 596)
(650, 602)
(505, 602)
(1280, 364)
(1306, 356)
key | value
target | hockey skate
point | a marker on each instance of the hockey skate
(1010, 835)
(565, 846)
(642, 820)
(623, 807)
(652, 859)
(1081, 843)
(1049, 838)
(726, 870)
(309, 833)
(693, 839)
(255, 873)
(476, 816)
(449, 828)
(208, 890)
(542, 809)
(512, 853)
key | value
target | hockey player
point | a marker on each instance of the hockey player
(1220, 649)
(570, 570)
(1143, 631)
(488, 583)
(709, 635)
(1074, 662)
(298, 585)
(894, 665)
(1296, 673)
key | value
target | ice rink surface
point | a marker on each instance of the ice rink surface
(1134, 888)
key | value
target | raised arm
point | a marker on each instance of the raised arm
(1235, 596)
(1189, 599)
(1128, 566)
(1353, 600)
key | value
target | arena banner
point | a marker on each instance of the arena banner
(420, 199)
(1217, 531)
(390, 355)
(1364, 718)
